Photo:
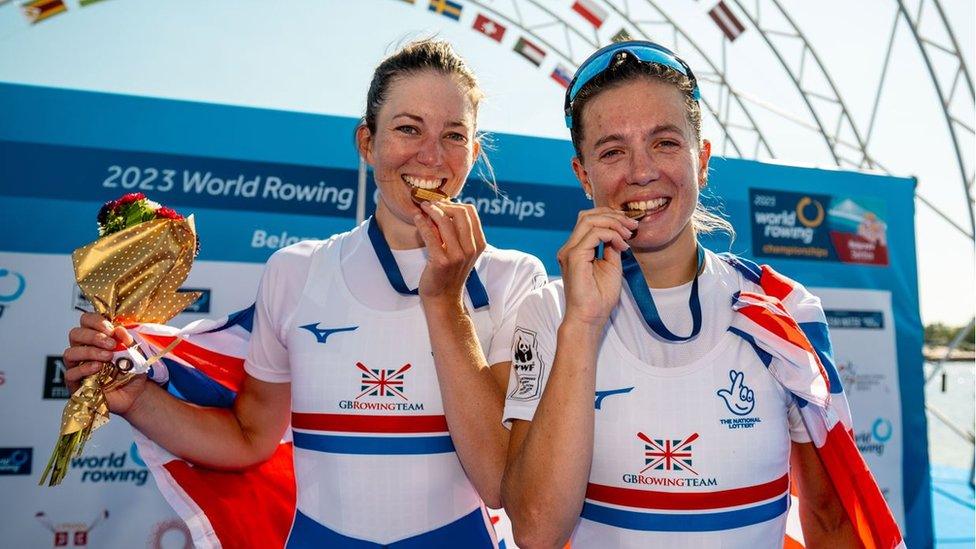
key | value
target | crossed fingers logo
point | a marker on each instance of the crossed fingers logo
(739, 398)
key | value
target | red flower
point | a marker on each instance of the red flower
(128, 199)
(167, 213)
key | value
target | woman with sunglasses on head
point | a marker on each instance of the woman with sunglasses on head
(385, 348)
(639, 419)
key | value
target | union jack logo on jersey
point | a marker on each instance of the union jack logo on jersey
(668, 454)
(382, 382)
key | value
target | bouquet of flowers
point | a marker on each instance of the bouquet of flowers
(131, 275)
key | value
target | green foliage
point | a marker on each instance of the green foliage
(938, 334)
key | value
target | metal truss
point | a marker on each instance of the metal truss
(572, 44)
(957, 108)
(650, 22)
(772, 21)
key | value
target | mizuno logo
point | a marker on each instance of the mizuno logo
(600, 395)
(322, 334)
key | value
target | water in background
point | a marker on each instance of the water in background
(951, 456)
(947, 448)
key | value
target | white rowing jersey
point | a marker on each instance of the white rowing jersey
(691, 440)
(374, 460)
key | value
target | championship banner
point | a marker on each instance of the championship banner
(258, 180)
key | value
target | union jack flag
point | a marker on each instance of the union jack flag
(668, 454)
(382, 382)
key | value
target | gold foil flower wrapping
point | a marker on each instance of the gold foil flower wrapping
(130, 276)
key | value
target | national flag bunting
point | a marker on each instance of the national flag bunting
(591, 11)
(563, 75)
(489, 27)
(530, 51)
(726, 21)
(621, 36)
(446, 8)
(39, 10)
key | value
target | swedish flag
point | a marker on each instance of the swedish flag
(446, 8)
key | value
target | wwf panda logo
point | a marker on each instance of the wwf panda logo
(522, 351)
(527, 367)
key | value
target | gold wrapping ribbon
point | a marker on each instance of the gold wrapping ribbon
(130, 276)
(133, 275)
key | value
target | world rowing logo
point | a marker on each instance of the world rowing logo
(381, 382)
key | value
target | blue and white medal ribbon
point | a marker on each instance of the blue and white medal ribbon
(645, 301)
(476, 290)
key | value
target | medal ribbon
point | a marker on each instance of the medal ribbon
(645, 301)
(476, 290)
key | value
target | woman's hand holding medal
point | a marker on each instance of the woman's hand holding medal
(592, 284)
(454, 239)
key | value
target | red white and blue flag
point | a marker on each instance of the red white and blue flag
(250, 508)
(562, 74)
(786, 325)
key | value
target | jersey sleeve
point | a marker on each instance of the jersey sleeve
(529, 275)
(279, 292)
(532, 352)
(798, 430)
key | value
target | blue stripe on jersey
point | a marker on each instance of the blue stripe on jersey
(467, 531)
(336, 444)
(691, 522)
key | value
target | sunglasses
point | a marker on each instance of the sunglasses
(646, 52)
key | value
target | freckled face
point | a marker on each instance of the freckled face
(424, 138)
(639, 152)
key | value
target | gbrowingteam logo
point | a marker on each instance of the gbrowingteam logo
(668, 462)
(114, 467)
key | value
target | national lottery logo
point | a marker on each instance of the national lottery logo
(740, 399)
